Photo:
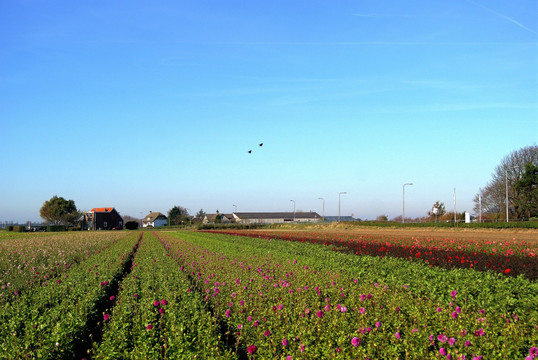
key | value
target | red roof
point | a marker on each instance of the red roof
(103, 209)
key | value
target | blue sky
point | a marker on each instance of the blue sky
(145, 105)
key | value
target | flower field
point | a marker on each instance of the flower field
(185, 295)
(510, 257)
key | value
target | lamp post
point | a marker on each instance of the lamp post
(323, 210)
(506, 178)
(293, 210)
(339, 203)
(403, 201)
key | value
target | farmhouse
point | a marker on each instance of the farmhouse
(154, 219)
(224, 218)
(105, 218)
(275, 217)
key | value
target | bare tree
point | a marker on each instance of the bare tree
(505, 175)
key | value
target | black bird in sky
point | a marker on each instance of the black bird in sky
(261, 144)
(250, 151)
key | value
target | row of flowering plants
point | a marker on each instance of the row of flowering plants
(510, 257)
(286, 300)
(31, 259)
(155, 315)
(55, 320)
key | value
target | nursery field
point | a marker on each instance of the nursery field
(267, 295)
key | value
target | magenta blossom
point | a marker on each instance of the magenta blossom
(252, 349)
(355, 341)
(285, 342)
(397, 335)
(156, 303)
(149, 327)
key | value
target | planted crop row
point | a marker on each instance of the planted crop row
(35, 259)
(301, 300)
(156, 315)
(55, 320)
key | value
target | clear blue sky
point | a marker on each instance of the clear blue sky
(143, 105)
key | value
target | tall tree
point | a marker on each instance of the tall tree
(178, 215)
(527, 189)
(504, 177)
(200, 214)
(58, 211)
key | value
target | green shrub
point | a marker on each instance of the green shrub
(56, 228)
(18, 228)
(9, 228)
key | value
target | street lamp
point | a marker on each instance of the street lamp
(403, 201)
(506, 177)
(323, 212)
(293, 209)
(339, 203)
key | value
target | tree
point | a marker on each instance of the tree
(59, 211)
(200, 214)
(382, 218)
(178, 215)
(527, 189)
(506, 174)
(440, 210)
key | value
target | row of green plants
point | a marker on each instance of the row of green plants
(300, 300)
(30, 260)
(156, 315)
(56, 319)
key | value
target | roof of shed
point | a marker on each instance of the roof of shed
(277, 215)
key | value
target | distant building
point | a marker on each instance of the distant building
(106, 218)
(224, 218)
(154, 219)
(275, 217)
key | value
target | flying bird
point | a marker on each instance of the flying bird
(250, 151)
(261, 144)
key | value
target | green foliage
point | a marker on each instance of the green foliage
(19, 228)
(178, 215)
(58, 211)
(9, 228)
(56, 228)
(527, 189)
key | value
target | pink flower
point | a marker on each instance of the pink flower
(267, 333)
(149, 327)
(161, 311)
(355, 341)
(112, 298)
(454, 293)
(442, 351)
(228, 313)
(252, 349)
(397, 335)
(320, 314)
(106, 317)
(377, 324)
(156, 303)
(164, 302)
(285, 342)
